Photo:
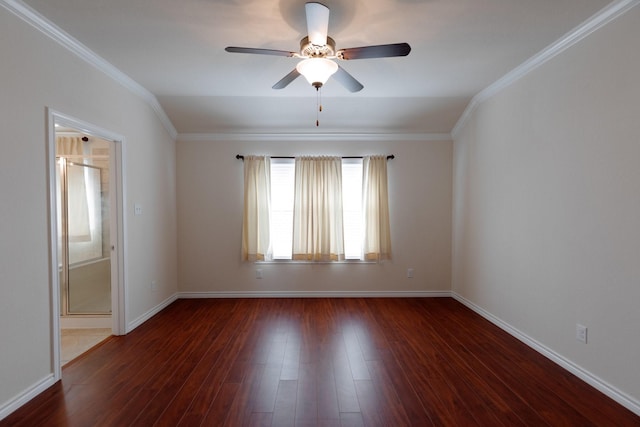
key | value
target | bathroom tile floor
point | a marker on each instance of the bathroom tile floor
(76, 341)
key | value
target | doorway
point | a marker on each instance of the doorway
(86, 235)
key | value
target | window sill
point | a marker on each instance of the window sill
(290, 261)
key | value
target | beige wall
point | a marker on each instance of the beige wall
(547, 204)
(545, 215)
(210, 187)
(36, 73)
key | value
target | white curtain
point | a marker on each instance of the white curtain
(317, 212)
(256, 242)
(78, 219)
(69, 146)
(375, 208)
(78, 222)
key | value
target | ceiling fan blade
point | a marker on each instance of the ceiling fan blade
(379, 51)
(234, 49)
(347, 80)
(284, 82)
(317, 23)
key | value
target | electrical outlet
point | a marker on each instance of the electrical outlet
(154, 285)
(581, 333)
(258, 273)
(410, 273)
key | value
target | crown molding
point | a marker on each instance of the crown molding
(288, 137)
(39, 22)
(597, 21)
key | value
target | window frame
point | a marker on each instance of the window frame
(278, 257)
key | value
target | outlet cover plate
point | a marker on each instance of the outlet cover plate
(581, 333)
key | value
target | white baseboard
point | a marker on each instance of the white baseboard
(617, 395)
(315, 294)
(596, 382)
(28, 394)
(150, 313)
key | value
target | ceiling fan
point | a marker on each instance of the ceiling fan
(318, 52)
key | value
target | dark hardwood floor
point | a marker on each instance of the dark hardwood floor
(318, 362)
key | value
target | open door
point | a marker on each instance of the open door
(86, 228)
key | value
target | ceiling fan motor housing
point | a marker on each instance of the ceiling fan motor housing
(308, 49)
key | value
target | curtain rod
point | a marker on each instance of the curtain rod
(241, 157)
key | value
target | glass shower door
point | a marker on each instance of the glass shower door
(86, 267)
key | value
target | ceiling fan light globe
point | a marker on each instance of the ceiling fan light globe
(317, 70)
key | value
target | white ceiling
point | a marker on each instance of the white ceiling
(175, 49)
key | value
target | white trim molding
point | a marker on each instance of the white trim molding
(619, 396)
(335, 136)
(597, 21)
(150, 313)
(316, 294)
(48, 28)
(35, 389)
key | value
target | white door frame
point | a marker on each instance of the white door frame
(116, 226)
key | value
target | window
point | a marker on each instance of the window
(282, 186)
(282, 195)
(352, 207)
(316, 209)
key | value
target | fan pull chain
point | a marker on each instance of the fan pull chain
(318, 104)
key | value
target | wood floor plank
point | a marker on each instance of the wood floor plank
(163, 389)
(291, 357)
(219, 410)
(351, 419)
(368, 401)
(345, 385)
(205, 380)
(307, 397)
(318, 362)
(328, 407)
(265, 399)
(242, 404)
(355, 356)
(449, 405)
(179, 360)
(406, 390)
(390, 405)
(309, 340)
(511, 408)
(531, 382)
(372, 340)
(284, 411)
(114, 377)
(485, 408)
(213, 386)
(260, 419)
